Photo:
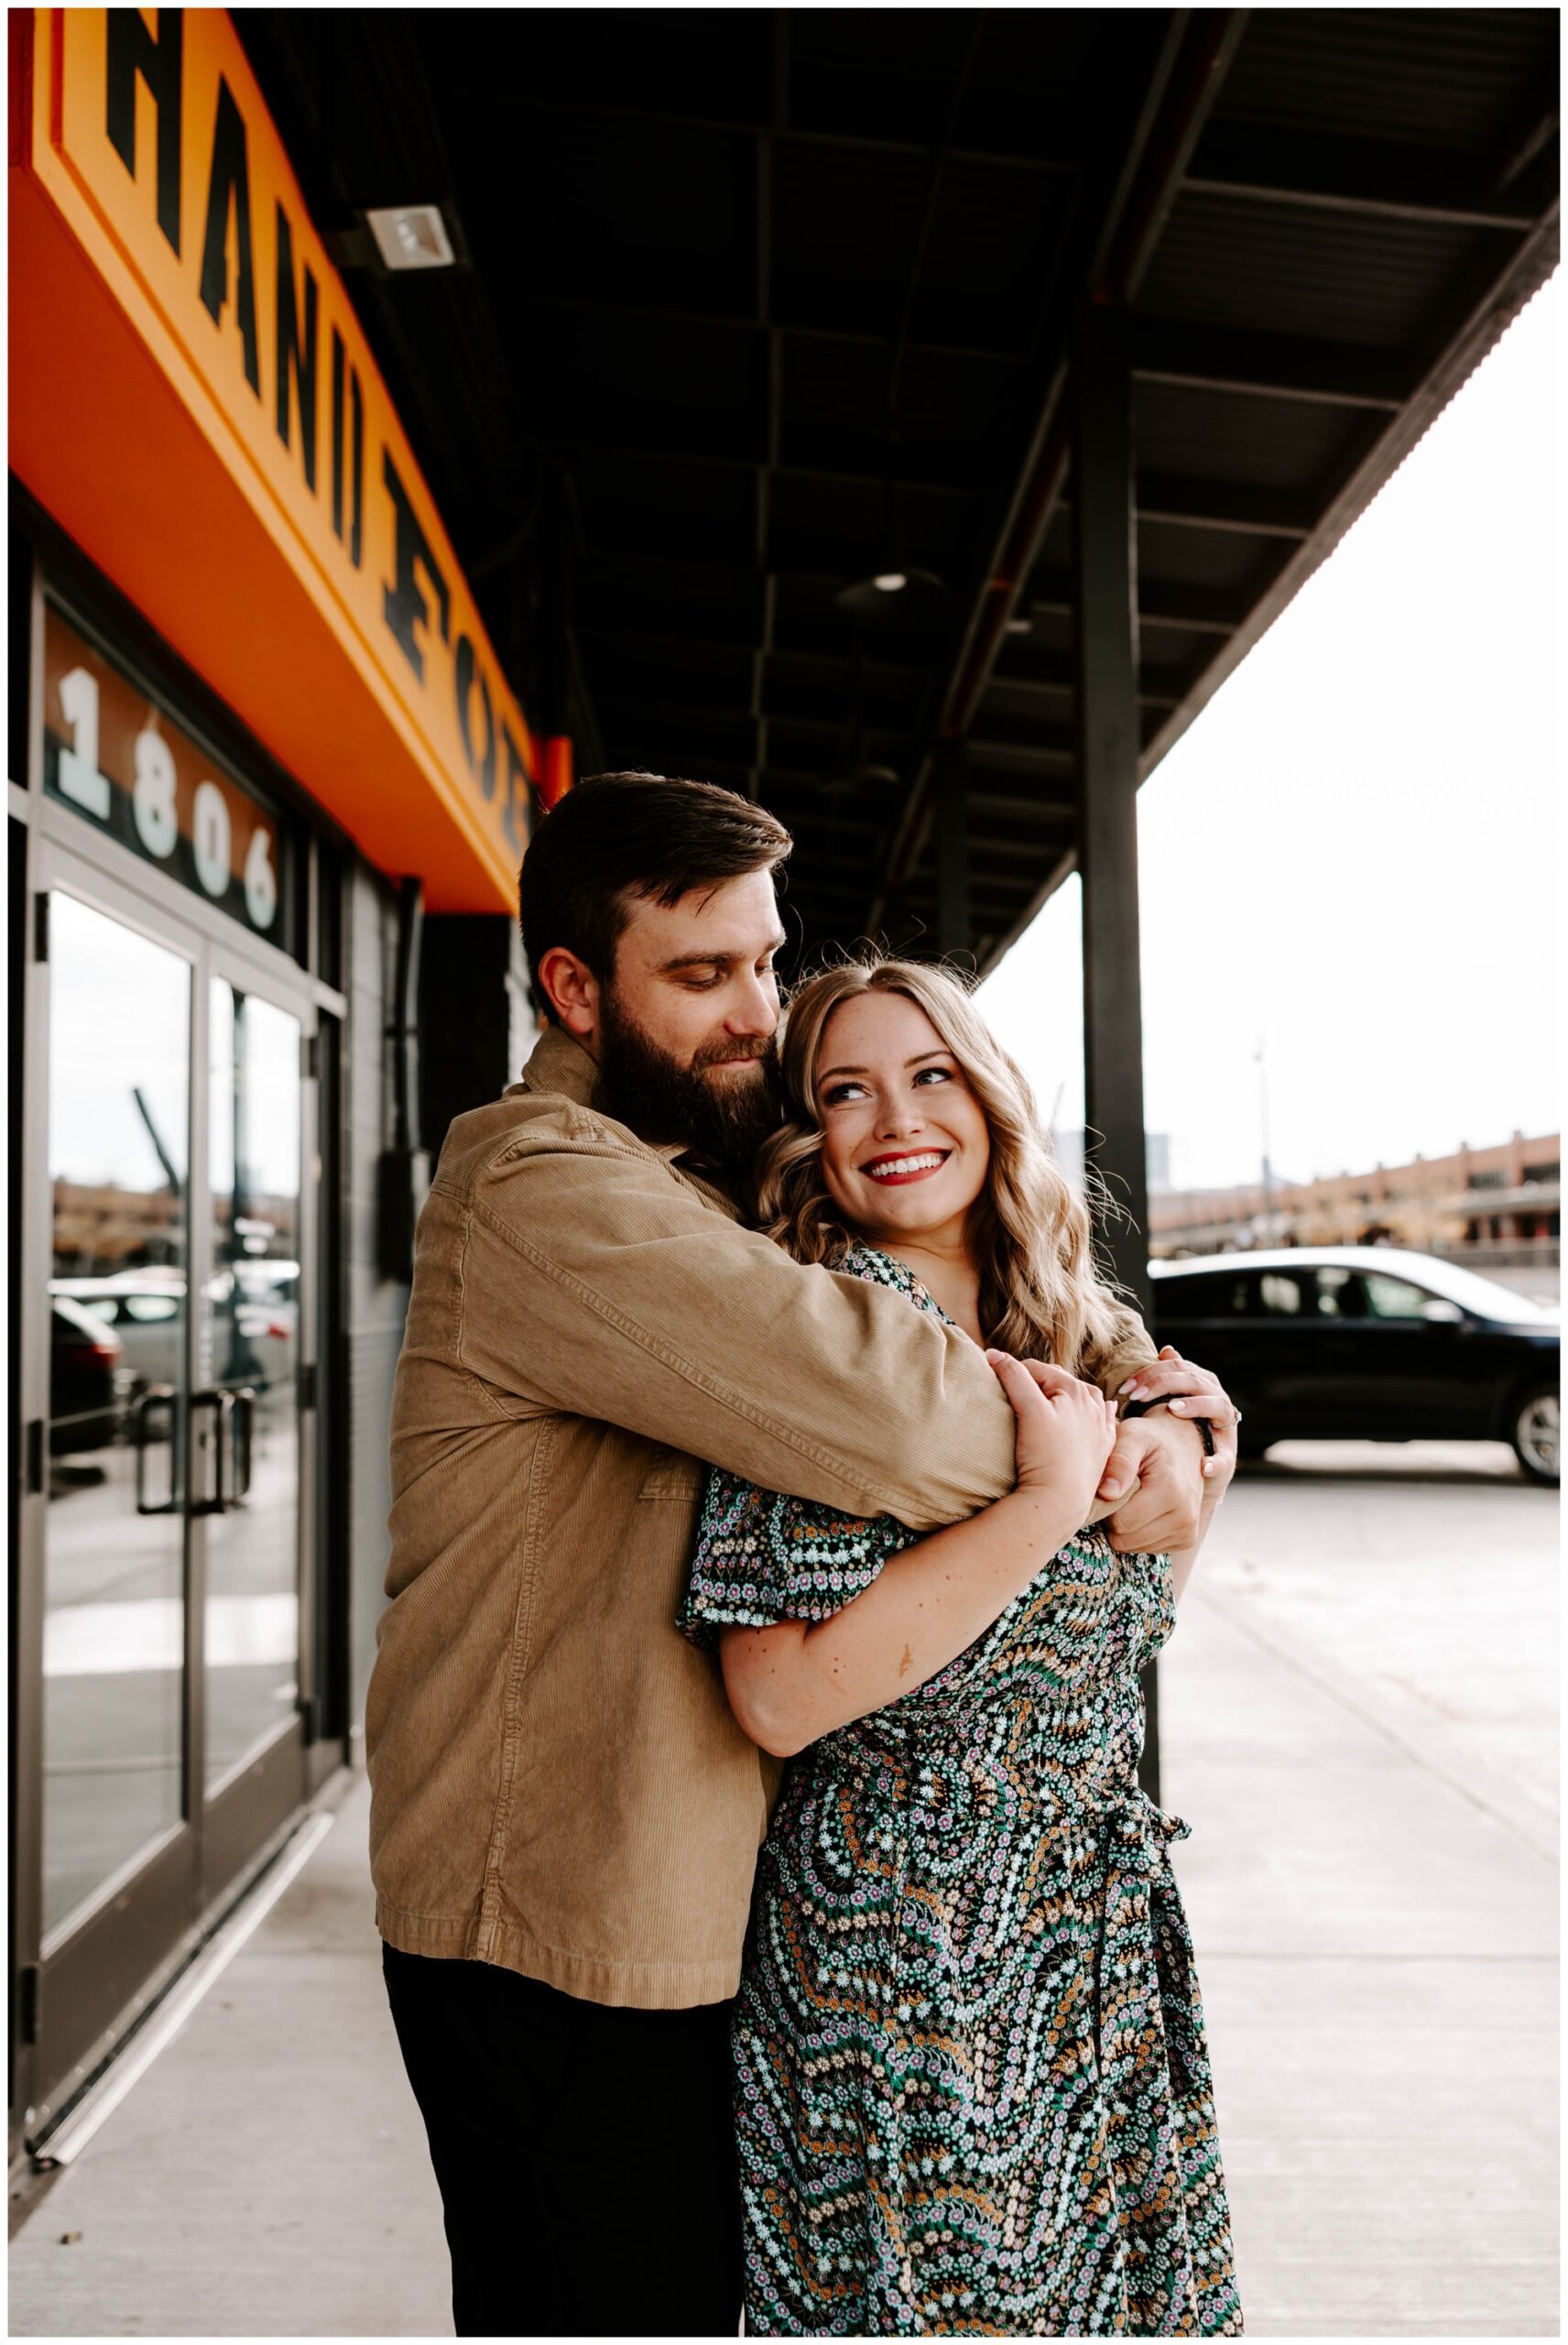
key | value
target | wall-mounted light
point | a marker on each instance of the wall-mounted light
(412, 236)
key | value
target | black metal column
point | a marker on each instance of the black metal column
(952, 923)
(1106, 601)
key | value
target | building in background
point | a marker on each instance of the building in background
(269, 786)
(1496, 1206)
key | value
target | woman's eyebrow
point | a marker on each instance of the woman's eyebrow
(919, 1060)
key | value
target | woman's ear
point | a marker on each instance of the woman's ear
(572, 990)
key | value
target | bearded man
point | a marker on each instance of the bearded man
(566, 1816)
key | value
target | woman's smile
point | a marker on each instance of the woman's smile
(911, 1165)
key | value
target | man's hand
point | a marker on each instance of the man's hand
(1192, 1392)
(1156, 1470)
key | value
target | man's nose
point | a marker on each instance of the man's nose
(756, 1011)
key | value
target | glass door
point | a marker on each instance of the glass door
(114, 1851)
(168, 1559)
(248, 1371)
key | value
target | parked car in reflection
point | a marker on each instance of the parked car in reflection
(255, 1317)
(87, 1379)
(145, 1309)
(1368, 1342)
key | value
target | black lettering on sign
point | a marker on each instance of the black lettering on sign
(515, 769)
(469, 674)
(357, 404)
(292, 360)
(229, 186)
(133, 49)
(356, 448)
(402, 604)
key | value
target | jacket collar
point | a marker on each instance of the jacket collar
(560, 1066)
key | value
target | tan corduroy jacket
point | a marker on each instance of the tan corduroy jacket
(558, 1783)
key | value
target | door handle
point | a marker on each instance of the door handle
(212, 1399)
(241, 1424)
(233, 1406)
(156, 1396)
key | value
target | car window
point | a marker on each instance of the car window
(1217, 1295)
(1337, 1292)
(1279, 1295)
(147, 1308)
(101, 1307)
(1389, 1298)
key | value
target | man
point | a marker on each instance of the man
(566, 1816)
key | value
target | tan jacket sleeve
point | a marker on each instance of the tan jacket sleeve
(594, 1280)
(1128, 1346)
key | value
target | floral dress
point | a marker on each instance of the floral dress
(972, 2091)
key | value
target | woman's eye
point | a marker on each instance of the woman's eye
(838, 1093)
(935, 1073)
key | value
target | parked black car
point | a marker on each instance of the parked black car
(1368, 1342)
(85, 1363)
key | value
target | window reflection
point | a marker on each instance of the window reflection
(114, 1637)
(249, 1337)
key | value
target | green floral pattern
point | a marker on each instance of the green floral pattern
(972, 2089)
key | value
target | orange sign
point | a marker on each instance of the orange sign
(147, 135)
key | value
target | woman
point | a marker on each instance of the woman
(972, 2089)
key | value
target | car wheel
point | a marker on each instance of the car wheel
(1535, 1433)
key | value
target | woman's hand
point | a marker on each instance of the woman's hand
(1197, 1392)
(1065, 1430)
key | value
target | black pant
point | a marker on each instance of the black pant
(585, 2154)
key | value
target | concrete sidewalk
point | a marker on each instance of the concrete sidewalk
(1358, 1719)
(1373, 1907)
(268, 2177)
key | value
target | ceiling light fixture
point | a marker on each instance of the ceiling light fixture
(915, 596)
(412, 236)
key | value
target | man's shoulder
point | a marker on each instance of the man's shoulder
(525, 1125)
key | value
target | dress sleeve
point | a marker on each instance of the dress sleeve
(762, 1557)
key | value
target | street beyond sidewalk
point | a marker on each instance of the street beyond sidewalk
(1358, 1722)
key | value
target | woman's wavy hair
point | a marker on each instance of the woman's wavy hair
(1041, 1294)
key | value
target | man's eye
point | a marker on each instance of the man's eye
(703, 985)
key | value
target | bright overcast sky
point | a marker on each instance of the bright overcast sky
(1351, 852)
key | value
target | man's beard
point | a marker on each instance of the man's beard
(726, 1119)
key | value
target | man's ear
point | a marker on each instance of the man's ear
(573, 993)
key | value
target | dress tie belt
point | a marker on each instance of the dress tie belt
(1140, 1917)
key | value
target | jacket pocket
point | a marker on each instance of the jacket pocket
(673, 1474)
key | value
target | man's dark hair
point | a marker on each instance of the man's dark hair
(620, 835)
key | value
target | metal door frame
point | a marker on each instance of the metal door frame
(144, 1920)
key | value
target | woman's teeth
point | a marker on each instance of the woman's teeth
(894, 1167)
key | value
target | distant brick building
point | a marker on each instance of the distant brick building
(1484, 1202)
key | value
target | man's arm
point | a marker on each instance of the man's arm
(598, 1281)
(594, 1280)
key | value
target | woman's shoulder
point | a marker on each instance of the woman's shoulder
(860, 1259)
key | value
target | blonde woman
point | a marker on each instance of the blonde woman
(972, 2089)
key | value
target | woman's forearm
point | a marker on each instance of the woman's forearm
(793, 1682)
